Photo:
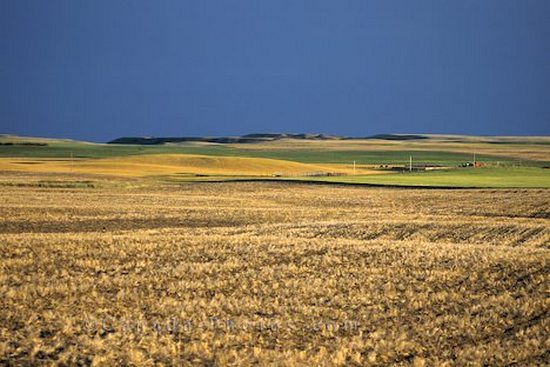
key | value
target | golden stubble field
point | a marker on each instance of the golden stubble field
(272, 273)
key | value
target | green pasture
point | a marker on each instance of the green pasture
(510, 177)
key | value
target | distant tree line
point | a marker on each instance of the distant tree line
(25, 143)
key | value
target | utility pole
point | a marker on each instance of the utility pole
(474, 158)
(410, 163)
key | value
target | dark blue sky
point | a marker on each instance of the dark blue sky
(97, 70)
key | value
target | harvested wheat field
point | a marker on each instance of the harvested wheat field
(272, 273)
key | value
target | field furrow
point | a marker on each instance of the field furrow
(259, 273)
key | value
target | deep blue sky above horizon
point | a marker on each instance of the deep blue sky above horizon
(97, 70)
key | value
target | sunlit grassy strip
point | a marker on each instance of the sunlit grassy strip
(459, 178)
(470, 177)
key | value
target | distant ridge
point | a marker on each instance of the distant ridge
(255, 138)
(397, 137)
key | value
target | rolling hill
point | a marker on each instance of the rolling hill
(174, 164)
(508, 161)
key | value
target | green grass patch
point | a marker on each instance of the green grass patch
(512, 177)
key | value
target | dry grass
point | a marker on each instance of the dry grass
(265, 273)
(170, 164)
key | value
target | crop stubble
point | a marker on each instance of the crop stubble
(242, 273)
